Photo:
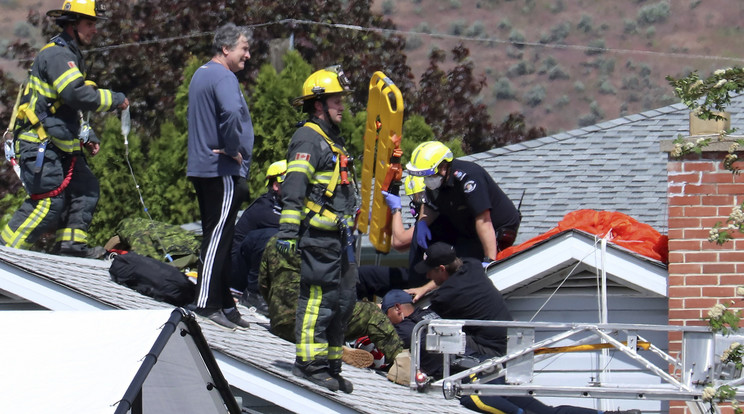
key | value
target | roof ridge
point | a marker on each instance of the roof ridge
(589, 129)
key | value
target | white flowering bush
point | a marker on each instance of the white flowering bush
(708, 98)
(722, 319)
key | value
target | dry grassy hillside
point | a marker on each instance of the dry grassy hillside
(554, 78)
(563, 63)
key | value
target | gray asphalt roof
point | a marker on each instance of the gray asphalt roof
(613, 166)
(256, 347)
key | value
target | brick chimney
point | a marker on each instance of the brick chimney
(700, 193)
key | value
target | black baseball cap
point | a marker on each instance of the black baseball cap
(437, 254)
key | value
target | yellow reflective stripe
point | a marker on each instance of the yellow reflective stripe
(300, 166)
(66, 145)
(483, 406)
(48, 45)
(64, 79)
(290, 217)
(335, 352)
(307, 349)
(322, 177)
(41, 87)
(106, 100)
(69, 234)
(18, 238)
(320, 222)
(29, 136)
(336, 150)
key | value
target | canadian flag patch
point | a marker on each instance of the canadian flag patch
(71, 64)
(302, 156)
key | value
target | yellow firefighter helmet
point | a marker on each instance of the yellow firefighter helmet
(276, 170)
(90, 9)
(426, 158)
(323, 83)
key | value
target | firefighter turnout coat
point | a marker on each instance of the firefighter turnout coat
(63, 191)
(319, 203)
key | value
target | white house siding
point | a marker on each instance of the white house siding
(579, 369)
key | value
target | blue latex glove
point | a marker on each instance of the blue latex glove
(423, 234)
(392, 200)
(286, 246)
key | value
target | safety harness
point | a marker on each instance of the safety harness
(340, 174)
(33, 122)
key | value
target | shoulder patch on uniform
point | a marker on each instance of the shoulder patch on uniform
(468, 186)
(302, 156)
(71, 64)
(459, 175)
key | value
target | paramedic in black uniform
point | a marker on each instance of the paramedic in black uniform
(484, 219)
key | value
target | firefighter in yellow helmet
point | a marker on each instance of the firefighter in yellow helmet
(319, 202)
(51, 132)
(253, 230)
(484, 219)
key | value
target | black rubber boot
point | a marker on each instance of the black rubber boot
(343, 384)
(81, 250)
(316, 372)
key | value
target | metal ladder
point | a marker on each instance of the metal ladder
(698, 366)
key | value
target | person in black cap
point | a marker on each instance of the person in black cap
(465, 292)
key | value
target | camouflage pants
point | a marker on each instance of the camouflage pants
(279, 284)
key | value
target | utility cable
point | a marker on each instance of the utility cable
(291, 23)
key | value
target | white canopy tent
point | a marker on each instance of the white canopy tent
(116, 361)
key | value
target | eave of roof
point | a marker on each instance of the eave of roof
(253, 360)
(573, 248)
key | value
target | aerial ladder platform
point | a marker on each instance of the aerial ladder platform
(681, 378)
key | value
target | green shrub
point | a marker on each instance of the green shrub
(503, 89)
(557, 72)
(654, 13)
(514, 52)
(413, 42)
(423, 27)
(607, 88)
(630, 27)
(517, 38)
(585, 23)
(457, 27)
(388, 7)
(562, 101)
(519, 69)
(476, 29)
(631, 83)
(504, 24)
(595, 47)
(650, 32)
(23, 30)
(557, 7)
(534, 96)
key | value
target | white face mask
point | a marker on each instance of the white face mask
(433, 182)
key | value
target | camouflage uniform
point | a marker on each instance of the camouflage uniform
(279, 284)
(155, 239)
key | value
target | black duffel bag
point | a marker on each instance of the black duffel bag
(152, 278)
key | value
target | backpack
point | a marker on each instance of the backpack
(152, 278)
(155, 239)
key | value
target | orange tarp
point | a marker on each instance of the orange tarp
(624, 231)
